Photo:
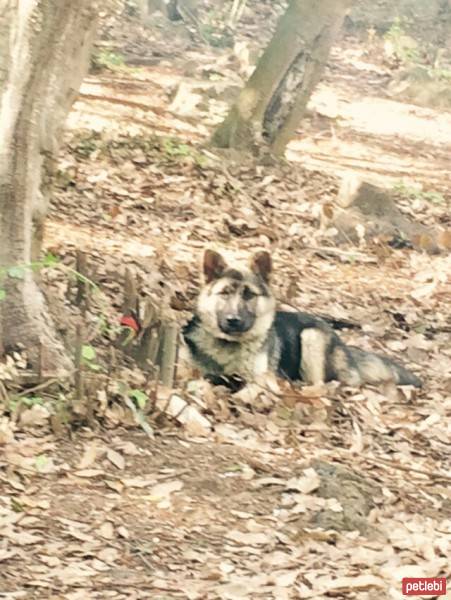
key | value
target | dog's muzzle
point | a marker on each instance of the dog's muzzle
(234, 325)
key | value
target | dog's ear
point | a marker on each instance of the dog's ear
(262, 265)
(214, 265)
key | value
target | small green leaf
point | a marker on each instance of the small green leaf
(17, 506)
(32, 400)
(234, 468)
(94, 366)
(140, 398)
(16, 272)
(50, 260)
(41, 462)
(2, 294)
(88, 352)
(183, 150)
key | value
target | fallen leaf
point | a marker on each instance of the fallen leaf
(89, 456)
(248, 539)
(165, 489)
(116, 458)
(106, 530)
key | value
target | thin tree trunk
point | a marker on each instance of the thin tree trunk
(273, 101)
(44, 53)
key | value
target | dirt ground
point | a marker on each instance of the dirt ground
(305, 492)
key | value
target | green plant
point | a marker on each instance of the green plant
(140, 397)
(417, 193)
(49, 261)
(18, 271)
(85, 144)
(32, 400)
(400, 45)
(89, 356)
(28, 401)
(41, 462)
(88, 352)
(106, 59)
(173, 148)
(440, 73)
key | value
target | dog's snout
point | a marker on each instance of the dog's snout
(234, 323)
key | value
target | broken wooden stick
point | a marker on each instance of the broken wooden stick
(168, 355)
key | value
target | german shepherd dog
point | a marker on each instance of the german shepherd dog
(236, 335)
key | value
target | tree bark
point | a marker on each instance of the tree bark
(44, 53)
(273, 101)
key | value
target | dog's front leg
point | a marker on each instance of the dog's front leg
(313, 356)
(234, 383)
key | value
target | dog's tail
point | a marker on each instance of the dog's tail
(374, 368)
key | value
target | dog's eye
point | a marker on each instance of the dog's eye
(248, 294)
(225, 292)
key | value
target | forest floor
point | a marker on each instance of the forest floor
(307, 493)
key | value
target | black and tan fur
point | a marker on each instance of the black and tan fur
(237, 334)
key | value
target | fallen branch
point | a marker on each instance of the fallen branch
(36, 388)
(81, 266)
(388, 463)
(168, 354)
(78, 360)
(347, 253)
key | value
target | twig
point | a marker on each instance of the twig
(130, 293)
(78, 358)
(4, 394)
(82, 287)
(168, 354)
(176, 357)
(38, 387)
(177, 415)
(153, 342)
(79, 378)
(236, 11)
(154, 394)
(140, 554)
(111, 100)
(165, 409)
(339, 252)
(139, 417)
(111, 369)
(398, 467)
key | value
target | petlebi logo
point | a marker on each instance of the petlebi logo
(424, 586)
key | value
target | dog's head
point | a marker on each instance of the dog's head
(236, 302)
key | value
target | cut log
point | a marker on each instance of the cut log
(364, 211)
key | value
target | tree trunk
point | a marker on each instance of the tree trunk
(273, 101)
(44, 53)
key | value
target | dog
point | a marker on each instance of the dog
(237, 334)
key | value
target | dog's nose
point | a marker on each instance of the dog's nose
(234, 323)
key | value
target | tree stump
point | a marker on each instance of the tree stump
(365, 212)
